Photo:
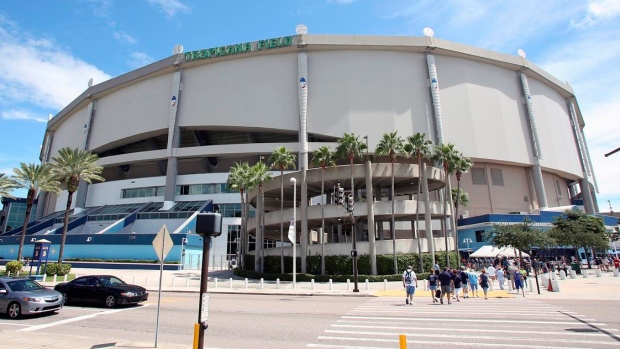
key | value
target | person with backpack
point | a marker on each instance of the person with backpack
(484, 283)
(410, 282)
(432, 284)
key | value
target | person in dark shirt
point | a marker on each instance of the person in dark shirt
(432, 284)
(456, 280)
(464, 279)
(445, 280)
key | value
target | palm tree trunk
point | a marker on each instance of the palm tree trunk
(427, 218)
(262, 231)
(65, 228)
(416, 233)
(281, 221)
(445, 222)
(393, 226)
(456, 217)
(322, 220)
(241, 248)
(29, 203)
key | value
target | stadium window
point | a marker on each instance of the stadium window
(479, 235)
(496, 177)
(478, 176)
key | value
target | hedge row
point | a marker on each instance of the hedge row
(323, 278)
(343, 266)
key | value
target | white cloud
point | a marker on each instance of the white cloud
(598, 10)
(39, 71)
(139, 59)
(171, 7)
(124, 37)
(21, 115)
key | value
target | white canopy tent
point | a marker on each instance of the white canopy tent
(492, 251)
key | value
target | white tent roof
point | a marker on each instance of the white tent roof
(492, 251)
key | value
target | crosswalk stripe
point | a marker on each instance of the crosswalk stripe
(468, 320)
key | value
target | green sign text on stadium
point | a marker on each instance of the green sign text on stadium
(239, 48)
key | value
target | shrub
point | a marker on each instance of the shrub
(14, 266)
(56, 269)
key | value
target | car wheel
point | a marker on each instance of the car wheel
(110, 301)
(14, 311)
(65, 299)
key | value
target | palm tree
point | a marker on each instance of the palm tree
(460, 164)
(420, 147)
(461, 196)
(35, 178)
(281, 159)
(69, 167)
(392, 145)
(323, 157)
(443, 155)
(6, 186)
(259, 175)
(238, 179)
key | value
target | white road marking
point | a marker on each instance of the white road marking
(12, 324)
(468, 320)
(79, 318)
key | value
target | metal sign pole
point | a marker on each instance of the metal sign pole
(203, 306)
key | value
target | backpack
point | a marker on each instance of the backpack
(408, 277)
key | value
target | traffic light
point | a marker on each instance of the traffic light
(339, 195)
(350, 204)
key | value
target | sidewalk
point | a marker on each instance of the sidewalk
(600, 288)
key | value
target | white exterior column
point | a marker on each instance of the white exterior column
(536, 170)
(372, 250)
(302, 76)
(80, 198)
(173, 143)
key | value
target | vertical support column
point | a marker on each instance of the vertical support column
(258, 245)
(80, 197)
(588, 202)
(427, 213)
(536, 170)
(302, 75)
(173, 143)
(372, 250)
(432, 74)
(583, 157)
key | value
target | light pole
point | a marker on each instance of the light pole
(467, 241)
(183, 242)
(294, 181)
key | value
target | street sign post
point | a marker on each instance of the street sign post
(162, 245)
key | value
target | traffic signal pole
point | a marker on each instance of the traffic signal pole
(203, 306)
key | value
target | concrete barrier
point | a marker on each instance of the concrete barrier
(585, 274)
(573, 274)
(562, 275)
(555, 285)
(598, 273)
(616, 273)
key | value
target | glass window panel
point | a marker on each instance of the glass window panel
(496, 177)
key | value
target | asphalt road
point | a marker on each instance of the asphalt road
(260, 321)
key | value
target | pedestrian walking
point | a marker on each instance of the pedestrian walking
(473, 283)
(432, 284)
(500, 278)
(465, 280)
(410, 282)
(484, 283)
(458, 283)
(519, 283)
(445, 280)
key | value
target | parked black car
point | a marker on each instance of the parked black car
(105, 289)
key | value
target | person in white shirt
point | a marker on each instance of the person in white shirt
(410, 282)
(500, 278)
(491, 274)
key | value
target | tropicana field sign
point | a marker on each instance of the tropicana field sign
(239, 48)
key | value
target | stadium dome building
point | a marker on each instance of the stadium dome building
(168, 133)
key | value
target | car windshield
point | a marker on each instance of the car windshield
(24, 285)
(111, 281)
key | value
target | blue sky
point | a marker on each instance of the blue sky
(49, 50)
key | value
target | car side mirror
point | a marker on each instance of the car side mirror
(98, 285)
(3, 291)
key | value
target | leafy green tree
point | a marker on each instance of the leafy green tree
(35, 178)
(576, 228)
(460, 164)
(259, 175)
(282, 159)
(461, 196)
(323, 157)
(6, 186)
(522, 236)
(69, 167)
(420, 147)
(391, 144)
(444, 155)
(239, 179)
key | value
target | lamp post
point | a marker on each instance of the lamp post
(294, 181)
(183, 242)
(467, 241)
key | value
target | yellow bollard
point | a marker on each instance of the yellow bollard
(196, 335)
(403, 341)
